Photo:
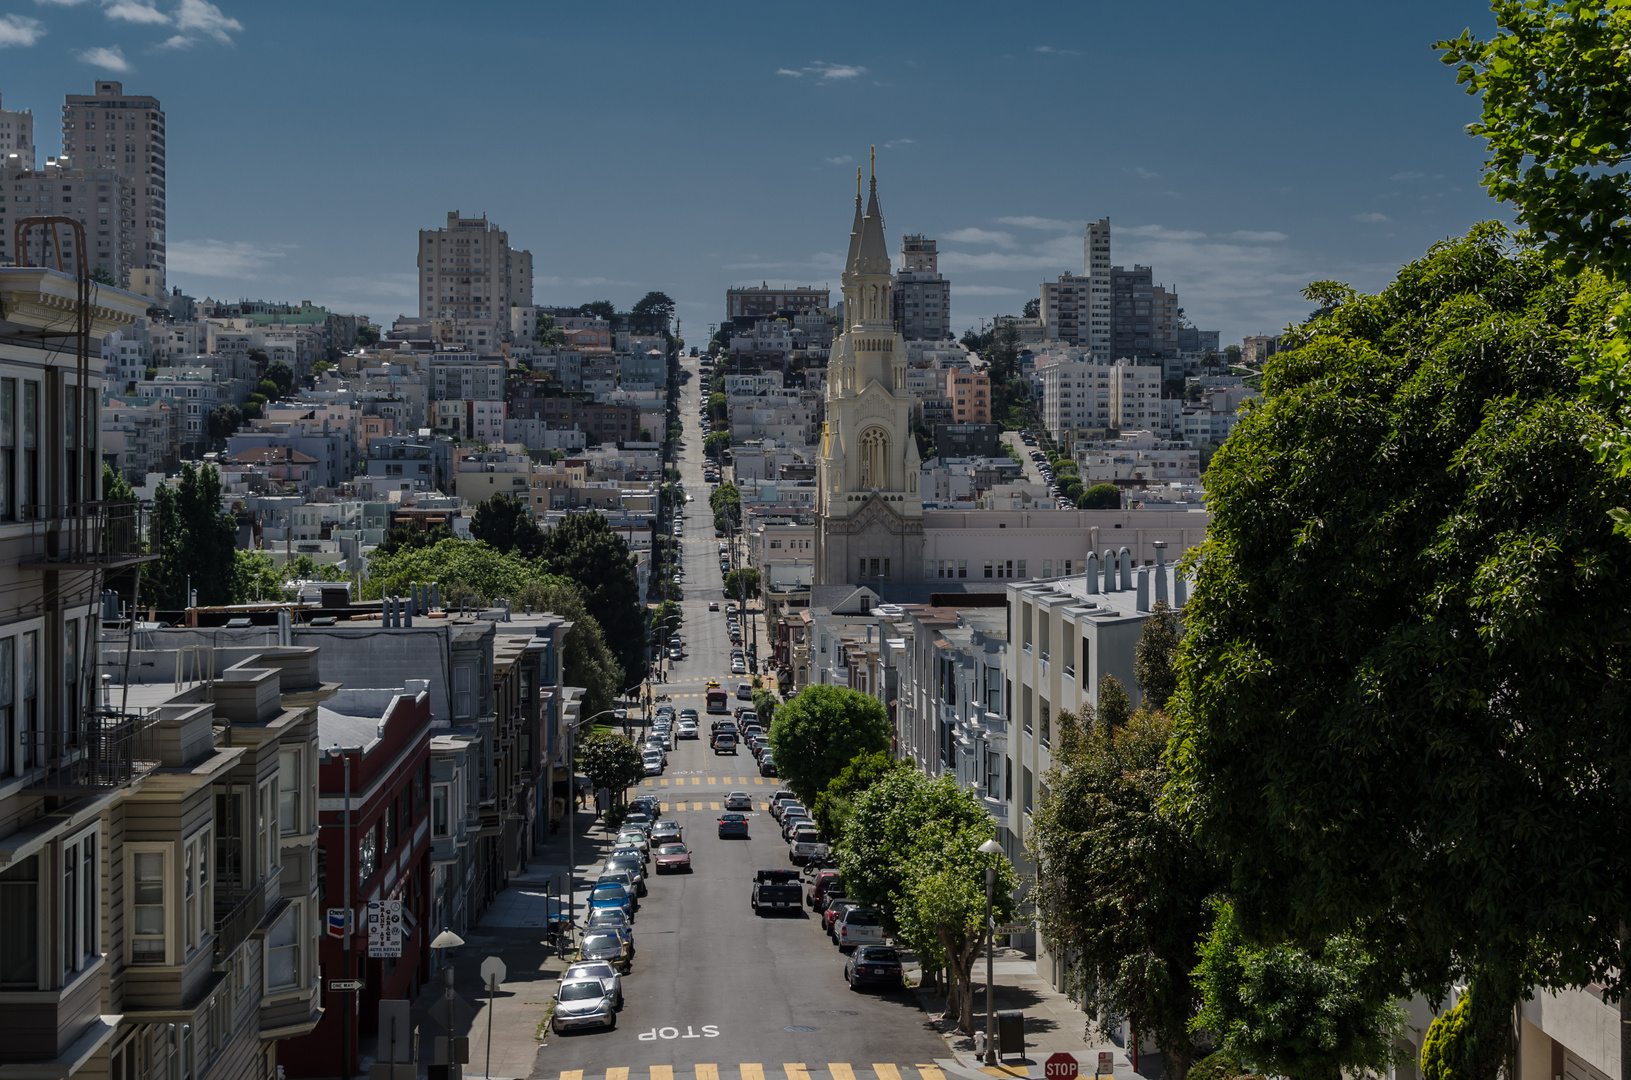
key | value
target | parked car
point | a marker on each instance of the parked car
(725, 743)
(611, 894)
(836, 908)
(806, 849)
(767, 764)
(636, 839)
(821, 885)
(654, 765)
(639, 820)
(858, 926)
(607, 947)
(738, 668)
(739, 800)
(621, 877)
(779, 798)
(614, 921)
(597, 969)
(666, 831)
(874, 965)
(632, 865)
(583, 1003)
(673, 857)
(744, 692)
(733, 825)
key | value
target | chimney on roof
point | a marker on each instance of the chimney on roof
(1160, 547)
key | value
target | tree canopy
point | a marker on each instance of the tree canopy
(653, 313)
(584, 549)
(195, 539)
(463, 569)
(609, 760)
(1121, 885)
(504, 523)
(834, 806)
(1401, 684)
(1155, 658)
(1101, 497)
(817, 733)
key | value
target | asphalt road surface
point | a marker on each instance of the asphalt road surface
(716, 992)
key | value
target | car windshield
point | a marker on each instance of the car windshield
(582, 991)
(733, 817)
(861, 917)
(607, 917)
(597, 942)
(671, 849)
(610, 892)
(597, 969)
(878, 954)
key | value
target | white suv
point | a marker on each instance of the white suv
(859, 926)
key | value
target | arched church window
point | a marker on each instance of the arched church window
(874, 459)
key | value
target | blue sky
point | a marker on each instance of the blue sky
(1241, 149)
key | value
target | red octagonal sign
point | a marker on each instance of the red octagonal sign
(1060, 1066)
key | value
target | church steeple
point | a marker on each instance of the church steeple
(855, 230)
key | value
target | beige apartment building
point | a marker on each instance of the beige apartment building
(101, 199)
(110, 130)
(17, 138)
(467, 270)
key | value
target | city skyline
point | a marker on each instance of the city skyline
(303, 169)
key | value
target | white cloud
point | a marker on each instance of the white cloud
(178, 41)
(1056, 52)
(1050, 224)
(817, 69)
(207, 19)
(59, 3)
(223, 258)
(987, 290)
(842, 159)
(1145, 174)
(1250, 237)
(1372, 218)
(134, 11)
(1160, 232)
(979, 236)
(109, 59)
(19, 30)
(897, 142)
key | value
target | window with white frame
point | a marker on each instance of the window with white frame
(289, 791)
(283, 951)
(81, 902)
(147, 870)
(266, 851)
(197, 888)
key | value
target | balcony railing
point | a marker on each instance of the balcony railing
(100, 535)
(235, 916)
(109, 751)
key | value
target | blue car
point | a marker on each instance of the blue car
(733, 825)
(611, 895)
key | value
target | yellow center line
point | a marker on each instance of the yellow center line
(713, 806)
(662, 1072)
(759, 780)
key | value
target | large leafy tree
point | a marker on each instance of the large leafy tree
(609, 760)
(1121, 885)
(653, 313)
(726, 503)
(586, 659)
(462, 568)
(585, 549)
(1402, 683)
(1304, 1015)
(911, 849)
(195, 540)
(1155, 658)
(254, 578)
(504, 523)
(818, 733)
(1101, 497)
(835, 804)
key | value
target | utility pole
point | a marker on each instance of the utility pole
(345, 938)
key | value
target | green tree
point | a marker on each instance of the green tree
(1465, 1042)
(834, 806)
(195, 541)
(464, 569)
(505, 523)
(547, 333)
(599, 309)
(718, 410)
(742, 582)
(586, 659)
(1411, 600)
(403, 535)
(1033, 308)
(584, 549)
(1155, 658)
(1101, 497)
(1316, 1015)
(653, 313)
(765, 703)
(726, 503)
(820, 731)
(255, 578)
(1121, 884)
(716, 444)
(610, 760)
(102, 277)
(1115, 708)
(224, 420)
(282, 376)
(367, 335)
(910, 849)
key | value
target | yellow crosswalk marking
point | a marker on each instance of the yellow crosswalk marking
(886, 1072)
(571, 1074)
(707, 1072)
(617, 1073)
(713, 781)
(715, 806)
(796, 1070)
(664, 807)
(696, 781)
(662, 783)
(928, 1072)
(759, 780)
(662, 1072)
(753, 1072)
(840, 1071)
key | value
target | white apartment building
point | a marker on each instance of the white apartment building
(1096, 265)
(922, 298)
(963, 545)
(1082, 394)
(1138, 458)
(467, 270)
(1067, 309)
(17, 138)
(102, 200)
(110, 131)
(463, 377)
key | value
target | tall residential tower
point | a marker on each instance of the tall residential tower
(467, 270)
(922, 297)
(114, 130)
(17, 138)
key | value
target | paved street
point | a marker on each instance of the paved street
(717, 992)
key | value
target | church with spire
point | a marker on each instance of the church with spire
(869, 510)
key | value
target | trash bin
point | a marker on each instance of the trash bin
(1010, 1032)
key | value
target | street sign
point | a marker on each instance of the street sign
(451, 1011)
(337, 919)
(344, 986)
(1003, 929)
(1107, 1063)
(385, 928)
(492, 972)
(1060, 1066)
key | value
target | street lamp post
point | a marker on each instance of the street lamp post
(990, 847)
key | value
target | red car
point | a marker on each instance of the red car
(824, 884)
(835, 907)
(672, 857)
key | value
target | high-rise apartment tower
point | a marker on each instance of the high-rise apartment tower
(922, 296)
(467, 270)
(114, 130)
(1096, 265)
(17, 138)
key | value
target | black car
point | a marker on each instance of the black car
(874, 965)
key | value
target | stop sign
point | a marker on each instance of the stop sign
(1060, 1066)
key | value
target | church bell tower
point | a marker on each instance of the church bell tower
(869, 511)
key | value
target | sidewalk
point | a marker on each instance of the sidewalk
(512, 928)
(1053, 1023)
